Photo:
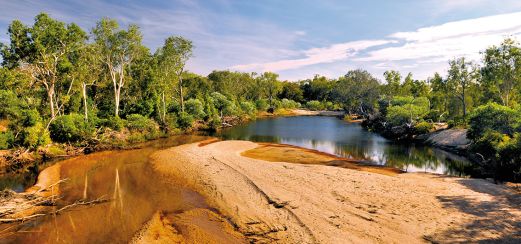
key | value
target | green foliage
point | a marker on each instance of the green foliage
(289, 104)
(70, 128)
(407, 110)
(195, 108)
(423, 127)
(493, 116)
(35, 136)
(185, 120)
(262, 105)
(6, 140)
(314, 105)
(115, 123)
(248, 108)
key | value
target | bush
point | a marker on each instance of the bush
(405, 110)
(195, 108)
(290, 104)
(495, 134)
(314, 105)
(248, 108)
(262, 104)
(35, 136)
(494, 117)
(70, 128)
(115, 123)
(423, 127)
(185, 120)
(6, 140)
(139, 124)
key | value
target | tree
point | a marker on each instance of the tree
(358, 91)
(292, 91)
(460, 76)
(439, 96)
(172, 58)
(43, 50)
(272, 87)
(501, 72)
(117, 48)
(393, 79)
(87, 69)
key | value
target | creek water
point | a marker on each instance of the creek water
(349, 140)
(137, 192)
(123, 176)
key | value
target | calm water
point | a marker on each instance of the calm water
(348, 140)
(126, 177)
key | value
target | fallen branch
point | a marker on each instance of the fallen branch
(77, 203)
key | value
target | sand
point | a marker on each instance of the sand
(309, 203)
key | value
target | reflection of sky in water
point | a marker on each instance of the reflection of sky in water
(348, 140)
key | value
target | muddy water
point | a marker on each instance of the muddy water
(125, 177)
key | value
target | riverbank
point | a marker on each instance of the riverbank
(289, 202)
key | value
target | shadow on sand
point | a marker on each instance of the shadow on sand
(490, 217)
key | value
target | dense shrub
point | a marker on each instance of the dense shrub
(141, 127)
(262, 104)
(407, 110)
(248, 108)
(495, 134)
(423, 127)
(6, 140)
(494, 117)
(195, 108)
(70, 128)
(35, 136)
(185, 120)
(115, 123)
(314, 105)
(290, 104)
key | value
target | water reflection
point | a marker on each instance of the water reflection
(348, 140)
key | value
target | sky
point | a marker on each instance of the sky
(299, 38)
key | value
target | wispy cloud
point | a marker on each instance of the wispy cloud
(315, 56)
(424, 48)
(449, 40)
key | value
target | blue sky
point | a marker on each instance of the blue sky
(298, 39)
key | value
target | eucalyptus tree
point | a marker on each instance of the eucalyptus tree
(271, 86)
(42, 50)
(357, 91)
(171, 59)
(502, 72)
(87, 71)
(117, 49)
(461, 75)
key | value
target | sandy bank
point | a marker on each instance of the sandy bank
(302, 112)
(296, 203)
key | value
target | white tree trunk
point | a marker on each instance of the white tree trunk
(84, 93)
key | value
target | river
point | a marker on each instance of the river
(350, 140)
(138, 192)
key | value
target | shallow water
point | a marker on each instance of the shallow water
(124, 176)
(350, 140)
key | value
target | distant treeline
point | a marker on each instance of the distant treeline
(60, 83)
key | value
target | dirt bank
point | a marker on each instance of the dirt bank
(307, 203)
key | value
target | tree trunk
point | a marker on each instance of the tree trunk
(181, 91)
(84, 93)
(50, 94)
(164, 107)
(116, 112)
(464, 104)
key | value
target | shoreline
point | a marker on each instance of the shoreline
(291, 202)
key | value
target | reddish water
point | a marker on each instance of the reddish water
(125, 177)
